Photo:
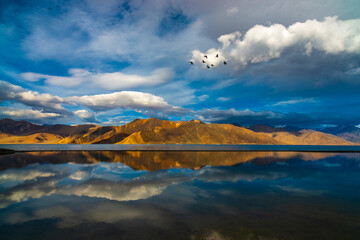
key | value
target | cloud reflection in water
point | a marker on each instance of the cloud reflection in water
(271, 185)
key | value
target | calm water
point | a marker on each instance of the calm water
(179, 195)
(179, 147)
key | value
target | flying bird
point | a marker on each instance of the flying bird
(217, 55)
(224, 63)
(212, 65)
(191, 62)
(207, 66)
(203, 61)
(205, 56)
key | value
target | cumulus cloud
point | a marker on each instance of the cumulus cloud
(26, 113)
(86, 115)
(109, 81)
(23, 175)
(115, 181)
(115, 191)
(264, 43)
(139, 101)
(214, 58)
(125, 185)
(42, 102)
(49, 106)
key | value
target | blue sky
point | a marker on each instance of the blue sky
(109, 62)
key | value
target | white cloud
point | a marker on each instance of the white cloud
(49, 106)
(109, 81)
(101, 36)
(294, 101)
(26, 113)
(203, 97)
(126, 99)
(32, 77)
(120, 80)
(83, 114)
(86, 115)
(42, 102)
(23, 175)
(232, 11)
(263, 43)
(213, 58)
(223, 99)
(133, 187)
(114, 191)
(80, 175)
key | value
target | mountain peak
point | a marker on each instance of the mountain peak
(196, 121)
(156, 131)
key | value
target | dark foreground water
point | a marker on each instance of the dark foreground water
(179, 195)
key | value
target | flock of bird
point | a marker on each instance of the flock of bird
(204, 62)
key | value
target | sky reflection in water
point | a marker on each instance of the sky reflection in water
(179, 195)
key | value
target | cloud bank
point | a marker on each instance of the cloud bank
(49, 106)
(44, 101)
(264, 43)
(26, 113)
(138, 101)
(86, 49)
(108, 81)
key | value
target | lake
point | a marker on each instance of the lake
(180, 147)
(179, 195)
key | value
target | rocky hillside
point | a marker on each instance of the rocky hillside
(196, 132)
(346, 132)
(156, 131)
(302, 137)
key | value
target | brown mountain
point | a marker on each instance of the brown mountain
(346, 132)
(196, 132)
(24, 128)
(36, 138)
(12, 127)
(156, 160)
(156, 131)
(114, 134)
(146, 131)
(302, 137)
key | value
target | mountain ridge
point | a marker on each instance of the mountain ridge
(156, 131)
(347, 132)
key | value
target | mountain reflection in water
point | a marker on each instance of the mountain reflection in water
(156, 160)
(179, 195)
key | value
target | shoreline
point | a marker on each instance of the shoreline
(10, 148)
(6, 151)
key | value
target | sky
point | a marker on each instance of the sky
(288, 62)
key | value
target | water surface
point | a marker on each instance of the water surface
(179, 195)
(180, 147)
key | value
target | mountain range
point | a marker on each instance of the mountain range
(347, 132)
(156, 131)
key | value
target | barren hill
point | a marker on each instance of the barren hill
(346, 132)
(196, 132)
(302, 137)
(156, 131)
